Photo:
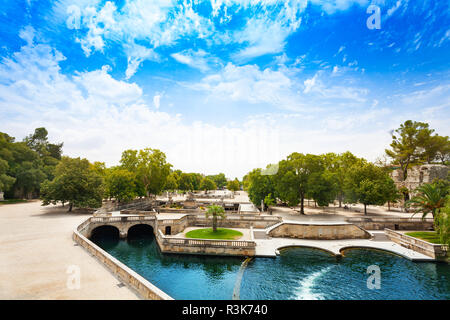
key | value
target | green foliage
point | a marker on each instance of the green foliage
(430, 236)
(413, 143)
(259, 186)
(5, 181)
(368, 184)
(171, 182)
(185, 182)
(120, 184)
(301, 176)
(207, 184)
(443, 223)
(25, 165)
(219, 179)
(75, 182)
(338, 167)
(150, 168)
(220, 233)
(321, 188)
(269, 200)
(233, 185)
(430, 198)
(215, 211)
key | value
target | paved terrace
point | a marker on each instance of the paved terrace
(36, 248)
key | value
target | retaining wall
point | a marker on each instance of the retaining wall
(141, 286)
(392, 223)
(436, 251)
(319, 232)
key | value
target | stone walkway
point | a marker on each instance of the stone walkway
(36, 250)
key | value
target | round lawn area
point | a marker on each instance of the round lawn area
(221, 233)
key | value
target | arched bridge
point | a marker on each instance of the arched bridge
(122, 224)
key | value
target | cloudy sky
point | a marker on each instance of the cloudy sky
(223, 85)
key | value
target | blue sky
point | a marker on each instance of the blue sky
(222, 85)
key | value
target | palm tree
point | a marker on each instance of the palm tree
(215, 211)
(430, 199)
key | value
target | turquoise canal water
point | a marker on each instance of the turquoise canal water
(298, 273)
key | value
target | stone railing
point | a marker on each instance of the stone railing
(205, 246)
(143, 287)
(205, 242)
(436, 251)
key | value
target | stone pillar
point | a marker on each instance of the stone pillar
(1, 196)
(123, 234)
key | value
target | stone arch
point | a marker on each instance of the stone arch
(309, 247)
(140, 229)
(375, 249)
(105, 231)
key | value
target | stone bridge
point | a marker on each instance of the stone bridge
(123, 224)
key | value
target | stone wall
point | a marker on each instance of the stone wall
(204, 246)
(436, 251)
(134, 281)
(419, 175)
(392, 223)
(319, 232)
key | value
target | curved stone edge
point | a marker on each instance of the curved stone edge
(333, 253)
(133, 280)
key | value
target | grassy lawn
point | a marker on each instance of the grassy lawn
(12, 201)
(221, 233)
(430, 236)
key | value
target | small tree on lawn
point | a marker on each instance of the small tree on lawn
(215, 211)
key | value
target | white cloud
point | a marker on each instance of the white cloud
(162, 23)
(199, 59)
(157, 100)
(97, 116)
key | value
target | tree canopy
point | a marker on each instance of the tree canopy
(76, 182)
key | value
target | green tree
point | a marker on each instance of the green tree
(5, 181)
(442, 147)
(321, 188)
(259, 186)
(38, 141)
(207, 184)
(443, 223)
(339, 166)
(367, 184)
(29, 163)
(196, 180)
(185, 183)
(293, 179)
(150, 168)
(219, 179)
(120, 184)
(171, 182)
(430, 198)
(392, 194)
(233, 185)
(215, 211)
(409, 144)
(75, 182)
